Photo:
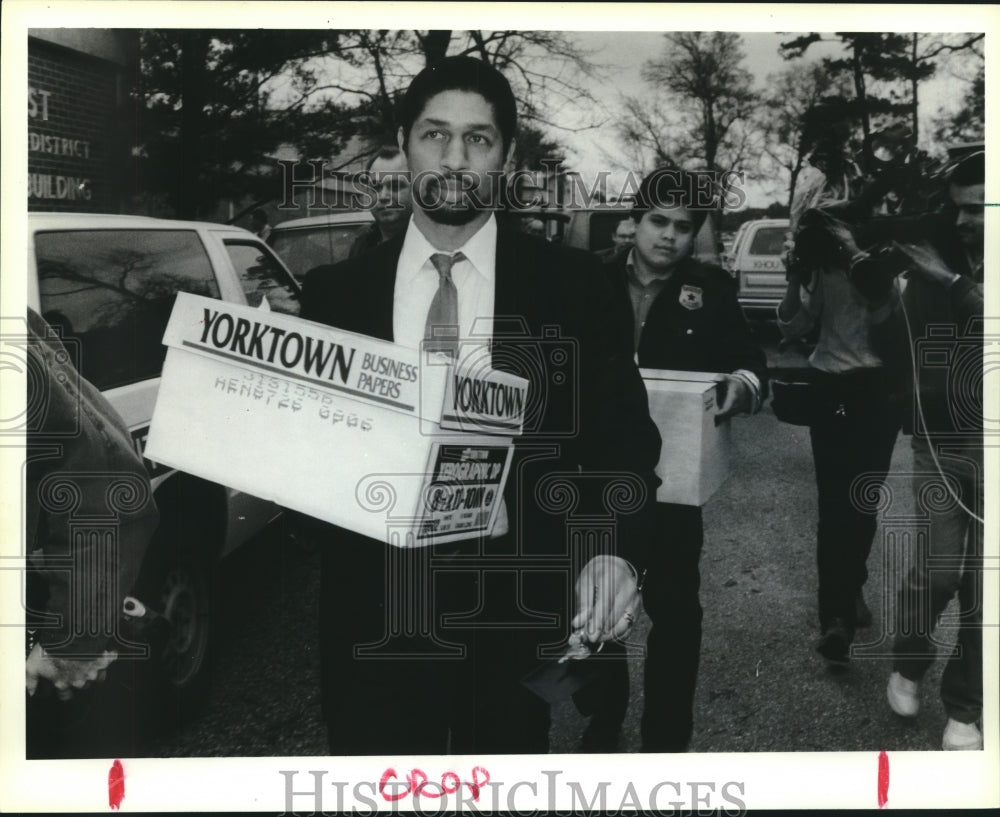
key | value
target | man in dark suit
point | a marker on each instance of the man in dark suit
(481, 614)
(683, 315)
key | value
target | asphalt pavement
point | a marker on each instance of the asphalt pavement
(761, 687)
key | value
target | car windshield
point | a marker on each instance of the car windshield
(768, 241)
(303, 248)
(112, 291)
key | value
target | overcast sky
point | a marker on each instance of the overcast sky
(624, 54)
(620, 56)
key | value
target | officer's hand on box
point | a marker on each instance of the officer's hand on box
(737, 397)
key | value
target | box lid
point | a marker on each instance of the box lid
(678, 374)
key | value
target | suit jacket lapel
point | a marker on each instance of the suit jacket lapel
(512, 298)
(381, 276)
(505, 288)
(517, 292)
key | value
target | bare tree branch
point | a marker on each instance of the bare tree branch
(943, 48)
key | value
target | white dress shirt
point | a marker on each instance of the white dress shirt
(417, 282)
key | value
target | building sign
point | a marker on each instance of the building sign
(73, 102)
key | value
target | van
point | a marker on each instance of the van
(755, 261)
(107, 283)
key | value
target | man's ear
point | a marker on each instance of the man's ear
(508, 163)
(401, 139)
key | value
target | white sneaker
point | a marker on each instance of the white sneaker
(960, 736)
(903, 695)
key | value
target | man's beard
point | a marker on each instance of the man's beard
(453, 215)
(465, 210)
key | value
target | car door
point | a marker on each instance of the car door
(262, 276)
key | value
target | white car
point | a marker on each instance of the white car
(305, 243)
(108, 283)
(756, 263)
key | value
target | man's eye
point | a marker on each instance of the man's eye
(477, 139)
(683, 227)
(433, 134)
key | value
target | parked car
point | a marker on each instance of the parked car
(108, 283)
(304, 243)
(755, 261)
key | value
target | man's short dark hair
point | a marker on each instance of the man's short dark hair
(971, 170)
(669, 187)
(386, 152)
(461, 74)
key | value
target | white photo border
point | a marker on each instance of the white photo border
(845, 780)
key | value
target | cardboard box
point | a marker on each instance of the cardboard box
(356, 431)
(695, 455)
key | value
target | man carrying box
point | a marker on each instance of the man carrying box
(682, 315)
(494, 605)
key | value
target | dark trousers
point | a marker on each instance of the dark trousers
(399, 677)
(853, 433)
(673, 647)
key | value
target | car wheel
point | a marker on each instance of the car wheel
(185, 600)
(179, 585)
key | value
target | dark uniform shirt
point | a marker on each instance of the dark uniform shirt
(689, 321)
(642, 296)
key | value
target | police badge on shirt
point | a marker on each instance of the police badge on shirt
(690, 297)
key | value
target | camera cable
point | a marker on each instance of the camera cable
(920, 409)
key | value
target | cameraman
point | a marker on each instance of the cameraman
(853, 420)
(943, 290)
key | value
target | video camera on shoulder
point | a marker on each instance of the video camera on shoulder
(900, 198)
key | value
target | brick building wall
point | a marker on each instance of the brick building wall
(78, 149)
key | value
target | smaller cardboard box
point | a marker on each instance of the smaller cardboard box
(695, 455)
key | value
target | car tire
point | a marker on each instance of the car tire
(178, 582)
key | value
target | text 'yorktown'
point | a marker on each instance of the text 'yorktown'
(273, 345)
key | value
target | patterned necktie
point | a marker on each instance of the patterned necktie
(441, 329)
